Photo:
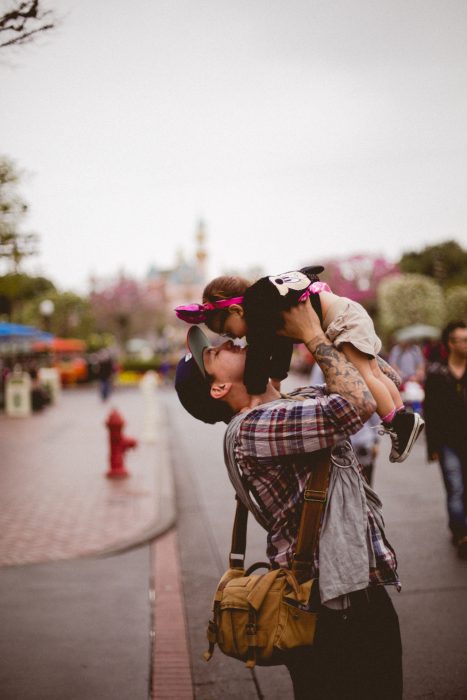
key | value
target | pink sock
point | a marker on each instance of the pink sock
(389, 417)
(401, 408)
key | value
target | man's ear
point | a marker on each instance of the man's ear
(219, 391)
(236, 309)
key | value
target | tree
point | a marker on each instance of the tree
(358, 277)
(72, 316)
(446, 263)
(127, 308)
(410, 299)
(17, 288)
(23, 21)
(456, 303)
(15, 244)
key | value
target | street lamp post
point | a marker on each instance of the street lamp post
(46, 309)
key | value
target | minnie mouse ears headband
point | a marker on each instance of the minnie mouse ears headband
(197, 313)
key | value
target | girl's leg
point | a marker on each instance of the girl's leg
(374, 378)
(391, 387)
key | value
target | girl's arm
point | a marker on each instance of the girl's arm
(257, 364)
(262, 314)
(281, 356)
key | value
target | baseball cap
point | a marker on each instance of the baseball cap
(193, 385)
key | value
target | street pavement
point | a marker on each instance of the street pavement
(131, 624)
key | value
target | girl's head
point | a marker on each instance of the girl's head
(221, 309)
(228, 320)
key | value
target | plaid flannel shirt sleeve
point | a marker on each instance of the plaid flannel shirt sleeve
(287, 428)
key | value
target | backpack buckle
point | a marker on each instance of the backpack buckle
(315, 496)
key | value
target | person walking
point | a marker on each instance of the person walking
(445, 411)
(105, 373)
(407, 359)
(357, 649)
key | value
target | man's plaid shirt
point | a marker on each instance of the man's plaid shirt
(271, 447)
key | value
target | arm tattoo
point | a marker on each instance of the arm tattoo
(388, 371)
(342, 377)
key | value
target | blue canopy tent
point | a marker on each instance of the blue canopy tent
(17, 332)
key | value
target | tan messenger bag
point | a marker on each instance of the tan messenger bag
(259, 618)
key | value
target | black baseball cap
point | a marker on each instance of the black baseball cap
(193, 385)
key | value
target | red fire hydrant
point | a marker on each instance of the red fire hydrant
(119, 444)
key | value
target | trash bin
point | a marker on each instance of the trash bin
(18, 394)
(50, 379)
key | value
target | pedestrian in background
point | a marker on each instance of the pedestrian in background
(445, 411)
(407, 359)
(105, 373)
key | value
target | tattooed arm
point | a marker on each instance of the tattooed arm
(302, 324)
(341, 376)
(389, 371)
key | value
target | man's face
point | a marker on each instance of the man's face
(458, 342)
(226, 362)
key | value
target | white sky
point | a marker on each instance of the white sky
(297, 129)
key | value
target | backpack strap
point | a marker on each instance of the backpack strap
(238, 546)
(314, 499)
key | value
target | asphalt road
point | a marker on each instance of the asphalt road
(431, 606)
(76, 630)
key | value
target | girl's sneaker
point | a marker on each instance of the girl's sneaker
(403, 431)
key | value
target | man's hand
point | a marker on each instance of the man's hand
(301, 323)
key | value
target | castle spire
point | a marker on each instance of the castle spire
(201, 253)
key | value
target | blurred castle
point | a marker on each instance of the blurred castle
(187, 279)
(145, 308)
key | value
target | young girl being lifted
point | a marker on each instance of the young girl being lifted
(234, 308)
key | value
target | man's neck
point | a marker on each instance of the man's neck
(240, 400)
(271, 394)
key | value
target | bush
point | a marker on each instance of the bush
(410, 299)
(456, 304)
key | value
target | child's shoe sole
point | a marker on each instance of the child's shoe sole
(418, 426)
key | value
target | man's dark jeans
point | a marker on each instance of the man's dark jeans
(357, 653)
(454, 470)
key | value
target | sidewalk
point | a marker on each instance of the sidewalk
(79, 605)
(55, 502)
